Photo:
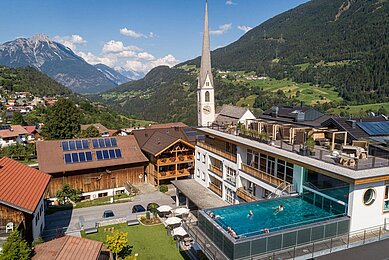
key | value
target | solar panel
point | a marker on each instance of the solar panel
(68, 158)
(65, 146)
(99, 155)
(72, 145)
(112, 154)
(82, 157)
(118, 153)
(88, 156)
(79, 145)
(375, 128)
(108, 142)
(101, 143)
(75, 157)
(85, 144)
(106, 154)
(114, 143)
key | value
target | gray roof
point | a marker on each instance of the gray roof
(230, 114)
(202, 197)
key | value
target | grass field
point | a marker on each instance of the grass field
(360, 110)
(149, 242)
(305, 92)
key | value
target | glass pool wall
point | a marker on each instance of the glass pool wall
(275, 241)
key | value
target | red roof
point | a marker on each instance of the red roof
(21, 186)
(30, 128)
(13, 131)
(68, 248)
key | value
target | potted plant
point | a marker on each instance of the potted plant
(173, 159)
(310, 143)
(181, 158)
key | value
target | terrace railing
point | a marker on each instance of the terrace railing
(217, 151)
(216, 170)
(215, 188)
(245, 195)
(273, 180)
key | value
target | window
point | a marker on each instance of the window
(198, 173)
(230, 196)
(104, 194)
(198, 156)
(207, 83)
(203, 176)
(386, 197)
(207, 96)
(203, 160)
(369, 197)
(231, 175)
(252, 158)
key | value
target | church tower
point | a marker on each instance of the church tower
(205, 91)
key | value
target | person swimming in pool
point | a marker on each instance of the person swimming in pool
(279, 209)
(251, 213)
(266, 230)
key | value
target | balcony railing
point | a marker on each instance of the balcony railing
(245, 195)
(217, 151)
(175, 160)
(216, 170)
(215, 188)
(277, 182)
(172, 174)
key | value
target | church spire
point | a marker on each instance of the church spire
(205, 68)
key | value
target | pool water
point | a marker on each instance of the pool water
(296, 212)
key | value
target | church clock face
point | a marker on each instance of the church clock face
(207, 109)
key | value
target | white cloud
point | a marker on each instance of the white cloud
(118, 46)
(70, 41)
(116, 54)
(244, 28)
(222, 29)
(230, 2)
(131, 33)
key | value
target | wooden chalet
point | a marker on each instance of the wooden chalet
(22, 191)
(99, 167)
(170, 152)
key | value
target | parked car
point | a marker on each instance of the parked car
(138, 208)
(152, 207)
(108, 214)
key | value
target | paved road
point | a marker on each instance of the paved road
(68, 221)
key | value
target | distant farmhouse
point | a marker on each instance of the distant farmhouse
(99, 167)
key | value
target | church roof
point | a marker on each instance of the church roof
(230, 114)
(205, 69)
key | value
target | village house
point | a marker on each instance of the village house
(103, 131)
(22, 191)
(14, 134)
(99, 167)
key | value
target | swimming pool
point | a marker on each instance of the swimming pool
(296, 212)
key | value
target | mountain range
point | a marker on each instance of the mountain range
(342, 45)
(62, 64)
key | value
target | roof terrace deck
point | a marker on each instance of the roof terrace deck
(372, 167)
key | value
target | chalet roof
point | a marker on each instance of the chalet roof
(13, 131)
(102, 129)
(51, 156)
(154, 141)
(21, 186)
(30, 129)
(345, 124)
(230, 114)
(68, 248)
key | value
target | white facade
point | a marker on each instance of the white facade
(206, 103)
(11, 141)
(38, 221)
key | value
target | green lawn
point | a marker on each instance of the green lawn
(359, 110)
(103, 201)
(148, 242)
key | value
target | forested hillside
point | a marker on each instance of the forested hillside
(336, 47)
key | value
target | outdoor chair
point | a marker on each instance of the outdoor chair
(9, 227)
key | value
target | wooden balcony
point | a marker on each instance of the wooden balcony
(171, 174)
(175, 160)
(245, 195)
(277, 182)
(216, 170)
(217, 151)
(215, 188)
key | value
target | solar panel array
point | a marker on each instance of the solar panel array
(72, 145)
(108, 154)
(78, 157)
(375, 128)
(104, 142)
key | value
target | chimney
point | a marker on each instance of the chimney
(274, 111)
(352, 123)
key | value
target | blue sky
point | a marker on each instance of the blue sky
(135, 34)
